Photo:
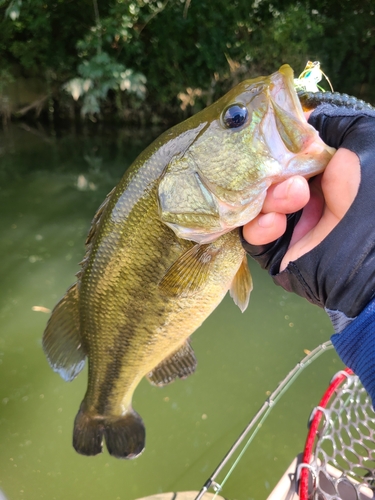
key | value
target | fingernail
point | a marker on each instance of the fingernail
(281, 190)
(266, 220)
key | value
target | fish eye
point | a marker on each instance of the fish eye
(235, 115)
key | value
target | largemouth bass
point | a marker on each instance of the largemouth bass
(163, 251)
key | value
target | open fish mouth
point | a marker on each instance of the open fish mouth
(283, 93)
(290, 120)
(304, 152)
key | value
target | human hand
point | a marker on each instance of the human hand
(325, 201)
(327, 253)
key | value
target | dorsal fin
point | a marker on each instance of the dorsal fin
(181, 364)
(96, 220)
(92, 231)
(62, 339)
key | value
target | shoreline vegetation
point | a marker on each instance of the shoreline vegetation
(154, 62)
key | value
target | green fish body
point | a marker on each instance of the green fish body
(164, 249)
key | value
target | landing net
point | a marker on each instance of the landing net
(339, 457)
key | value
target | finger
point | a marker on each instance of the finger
(307, 233)
(282, 198)
(288, 196)
(312, 211)
(265, 228)
(339, 183)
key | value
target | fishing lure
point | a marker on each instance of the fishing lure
(311, 94)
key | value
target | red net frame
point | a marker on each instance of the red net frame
(338, 462)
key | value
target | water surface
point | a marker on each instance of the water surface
(50, 187)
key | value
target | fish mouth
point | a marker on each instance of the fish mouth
(287, 115)
(303, 150)
(283, 95)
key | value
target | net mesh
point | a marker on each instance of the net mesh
(346, 441)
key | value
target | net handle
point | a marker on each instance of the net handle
(313, 430)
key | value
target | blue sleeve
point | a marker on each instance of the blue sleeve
(356, 347)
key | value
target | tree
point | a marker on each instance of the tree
(169, 58)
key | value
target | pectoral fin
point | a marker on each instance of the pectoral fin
(62, 340)
(242, 285)
(189, 273)
(180, 365)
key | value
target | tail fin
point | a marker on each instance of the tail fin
(125, 435)
(88, 433)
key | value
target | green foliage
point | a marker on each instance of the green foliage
(347, 46)
(44, 36)
(187, 52)
(13, 9)
(98, 76)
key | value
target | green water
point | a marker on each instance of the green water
(50, 187)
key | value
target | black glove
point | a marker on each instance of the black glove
(339, 273)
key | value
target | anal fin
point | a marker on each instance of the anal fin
(62, 339)
(181, 364)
